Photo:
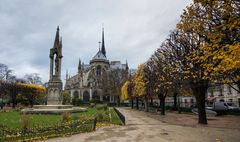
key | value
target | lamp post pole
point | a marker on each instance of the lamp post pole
(179, 101)
(2, 102)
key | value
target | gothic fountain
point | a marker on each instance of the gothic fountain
(54, 97)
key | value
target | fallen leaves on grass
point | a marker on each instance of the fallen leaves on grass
(103, 124)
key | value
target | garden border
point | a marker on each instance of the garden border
(120, 115)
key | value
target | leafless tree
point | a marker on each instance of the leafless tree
(33, 78)
(5, 72)
(112, 81)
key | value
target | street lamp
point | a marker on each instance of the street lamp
(179, 101)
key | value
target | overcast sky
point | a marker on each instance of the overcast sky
(133, 30)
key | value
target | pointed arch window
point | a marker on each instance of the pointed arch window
(98, 70)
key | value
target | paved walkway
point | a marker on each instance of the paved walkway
(141, 128)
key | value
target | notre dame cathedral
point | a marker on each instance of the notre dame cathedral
(101, 79)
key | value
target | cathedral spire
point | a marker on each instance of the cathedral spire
(127, 65)
(79, 66)
(103, 44)
(99, 43)
(67, 75)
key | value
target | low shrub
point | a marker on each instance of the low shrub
(77, 102)
(105, 107)
(25, 122)
(99, 115)
(75, 117)
(66, 117)
(95, 101)
(92, 105)
(102, 107)
(102, 113)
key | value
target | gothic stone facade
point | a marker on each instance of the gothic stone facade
(86, 84)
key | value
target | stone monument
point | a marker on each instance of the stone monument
(54, 96)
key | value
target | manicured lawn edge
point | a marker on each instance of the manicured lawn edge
(42, 132)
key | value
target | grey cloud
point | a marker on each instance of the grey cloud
(133, 31)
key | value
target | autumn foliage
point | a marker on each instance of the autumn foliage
(204, 48)
(32, 92)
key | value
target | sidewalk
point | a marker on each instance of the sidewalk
(142, 127)
(190, 119)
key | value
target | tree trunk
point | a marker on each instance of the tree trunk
(159, 106)
(132, 103)
(162, 103)
(31, 102)
(202, 118)
(137, 103)
(199, 90)
(175, 101)
(13, 104)
(238, 85)
(2, 102)
(146, 104)
(143, 103)
(179, 104)
(118, 101)
(163, 107)
(151, 103)
(13, 96)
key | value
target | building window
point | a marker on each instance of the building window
(98, 70)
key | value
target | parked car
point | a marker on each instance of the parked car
(232, 106)
(223, 107)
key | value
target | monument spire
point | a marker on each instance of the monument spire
(57, 42)
(55, 83)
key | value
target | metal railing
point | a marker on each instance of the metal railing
(38, 132)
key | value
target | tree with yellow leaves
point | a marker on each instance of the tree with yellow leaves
(162, 74)
(139, 84)
(209, 38)
(32, 92)
(125, 91)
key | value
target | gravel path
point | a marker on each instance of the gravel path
(141, 128)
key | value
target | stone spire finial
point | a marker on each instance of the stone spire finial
(67, 75)
(79, 66)
(127, 65)
(99, 46)
(103, 44)
(56, 42)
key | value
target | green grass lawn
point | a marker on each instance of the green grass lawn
(12, 119)
(115, 119)
(53, 125)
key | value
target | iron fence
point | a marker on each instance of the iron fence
(38, 132)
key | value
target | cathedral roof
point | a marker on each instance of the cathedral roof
(100, 56)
